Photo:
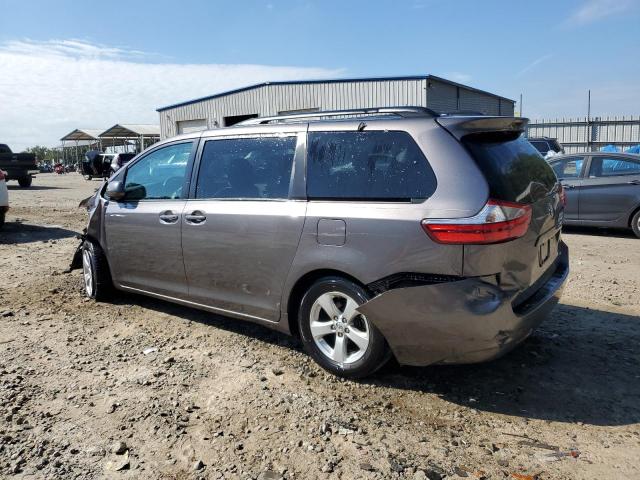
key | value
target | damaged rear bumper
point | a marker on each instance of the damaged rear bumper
(464, 321)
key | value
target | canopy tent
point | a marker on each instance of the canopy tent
(139, 135)
(82, 139)
(83, 134)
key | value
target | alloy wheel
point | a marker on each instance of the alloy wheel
(87, 272)
(340, 332)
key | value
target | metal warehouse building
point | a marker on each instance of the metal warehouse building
(275, 98)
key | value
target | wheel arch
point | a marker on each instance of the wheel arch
(302, 285)
(633, 213)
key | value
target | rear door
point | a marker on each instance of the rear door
(611, 190)
(242, 226)
(569, 172)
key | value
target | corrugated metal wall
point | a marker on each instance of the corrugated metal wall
(442, 97)
(580, 135)
(271, 99)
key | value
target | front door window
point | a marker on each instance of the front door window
(160, 175)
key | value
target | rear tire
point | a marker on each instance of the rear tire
(25, 182)
(635, 224)
(338, 337)
(95, 272)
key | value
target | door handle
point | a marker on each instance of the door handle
(634, 182)
(196, 217)
(168, 217)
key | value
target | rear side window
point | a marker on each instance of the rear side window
(246, 168)
(568, 168)
(374, 165)
(513, 168)
(605, 167)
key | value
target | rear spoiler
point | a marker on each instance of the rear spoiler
(460, 126)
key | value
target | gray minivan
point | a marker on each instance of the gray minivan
(368, 233)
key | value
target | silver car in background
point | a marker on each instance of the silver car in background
(369, 233)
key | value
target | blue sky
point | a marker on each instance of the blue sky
(70, 63)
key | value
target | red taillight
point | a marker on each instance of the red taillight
(2, 175)
(563, 195)
(497, 222)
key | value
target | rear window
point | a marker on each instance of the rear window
(513, 168)
(542, 147)
(374, 165)
(603, 167)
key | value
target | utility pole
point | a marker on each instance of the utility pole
(589, 132)
(521, 105)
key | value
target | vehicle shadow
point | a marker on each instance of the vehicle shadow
(581, 365)
(34, 187)
(601, 232)
(18, 233)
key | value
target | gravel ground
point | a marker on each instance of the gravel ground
(145, 389)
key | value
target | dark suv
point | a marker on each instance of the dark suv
(369, 233)
(546, 145)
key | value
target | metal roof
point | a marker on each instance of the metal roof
(339, 80)
(131, 131)
(82, 134)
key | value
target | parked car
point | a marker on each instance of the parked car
(392, 231)
(4, 198)
(18, 166)
(548, 147)
(603, 189)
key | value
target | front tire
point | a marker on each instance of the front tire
(95, 272)
(25, 182)
(635, 224)
(338, 337)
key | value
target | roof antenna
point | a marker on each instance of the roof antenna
(362, 126)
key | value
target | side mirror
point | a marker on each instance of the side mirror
(115, 190)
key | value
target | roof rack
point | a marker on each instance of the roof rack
(400, 111)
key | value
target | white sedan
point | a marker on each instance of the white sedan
(4, 198)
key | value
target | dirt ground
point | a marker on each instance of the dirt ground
(145, 389)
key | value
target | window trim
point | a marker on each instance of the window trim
(295, 167)
(187, 176)
(389, 200)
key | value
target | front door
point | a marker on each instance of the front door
(241, 228)
(611, 190)
(569, 171)
(143, 231)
